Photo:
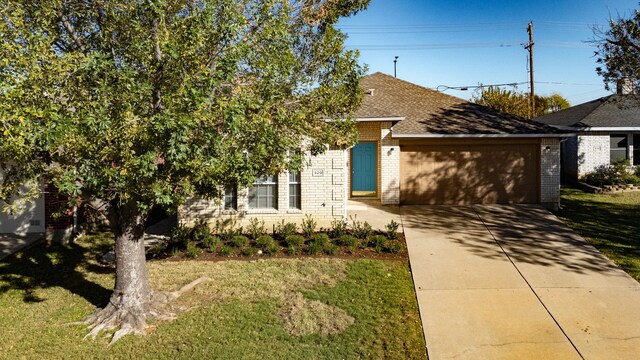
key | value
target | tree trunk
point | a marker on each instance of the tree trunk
(132, 302)
(131, 291)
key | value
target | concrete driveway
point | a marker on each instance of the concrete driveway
(513, 282)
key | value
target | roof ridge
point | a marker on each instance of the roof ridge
(419, 86)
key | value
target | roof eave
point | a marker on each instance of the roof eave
(603, 128)
(431, 136)
(372, 119)
(383, 118)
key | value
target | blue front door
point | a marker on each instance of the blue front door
(363, 169)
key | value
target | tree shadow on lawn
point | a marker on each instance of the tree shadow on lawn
(612, 228)
(54, 265)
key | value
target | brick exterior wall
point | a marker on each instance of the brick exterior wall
(550, 173)
(322, 195)
(390, 167)
(592, 151)
(57, 228)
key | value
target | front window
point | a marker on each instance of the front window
(264, 193)
(294, 190)
(230, 198)
(618, 147)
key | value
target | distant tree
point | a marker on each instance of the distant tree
(506, 101)
(130, 104)
(618, 51)
(555, 102)
(517, 103)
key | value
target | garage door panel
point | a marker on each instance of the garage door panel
(468, 174)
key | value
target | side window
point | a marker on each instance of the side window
(230, 198)
(294, 190)
(264, 193)
(618, 147)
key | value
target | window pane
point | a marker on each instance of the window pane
(230, 198)
(618, 147)
(618, 154)
(618, 141)
(294, 196)
(264, 193)
(253, 197)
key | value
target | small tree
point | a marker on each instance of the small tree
(130, 104)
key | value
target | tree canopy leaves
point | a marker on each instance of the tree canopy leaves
(156, 100)
(618, 51)
(516, 103)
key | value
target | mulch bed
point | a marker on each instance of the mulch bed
(342, 253)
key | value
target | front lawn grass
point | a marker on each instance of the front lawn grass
(609, 222)
(268, 309)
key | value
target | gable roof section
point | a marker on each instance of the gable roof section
(431, 113)
(613, 111)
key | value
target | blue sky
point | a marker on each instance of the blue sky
(463, 42)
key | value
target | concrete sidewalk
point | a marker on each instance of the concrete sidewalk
(513, 282)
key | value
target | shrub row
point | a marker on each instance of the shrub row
(229, 240)
(618, 173)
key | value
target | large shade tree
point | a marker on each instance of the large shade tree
(129, 104)
(618, 51)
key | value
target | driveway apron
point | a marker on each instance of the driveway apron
(513, 282)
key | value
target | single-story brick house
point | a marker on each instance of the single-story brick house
(416, 146)
(605, 129)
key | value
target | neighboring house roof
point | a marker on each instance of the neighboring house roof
(613, 111)
(429, 112)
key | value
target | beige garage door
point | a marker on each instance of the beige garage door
(458, 174)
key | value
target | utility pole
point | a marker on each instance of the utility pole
(529, 47)
(394, 66)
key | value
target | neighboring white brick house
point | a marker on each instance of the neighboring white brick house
(604, 129)
(582, 154)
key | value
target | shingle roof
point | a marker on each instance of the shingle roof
(428, 111)
(608, 111)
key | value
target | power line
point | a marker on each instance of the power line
(442, 88)
(432, 46)
(445, 46)
(455, 26)
(563, 83)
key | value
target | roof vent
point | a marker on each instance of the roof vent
(625, 86)
(369, 92)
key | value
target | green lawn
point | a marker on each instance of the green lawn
(609, 222)
(269, 309)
